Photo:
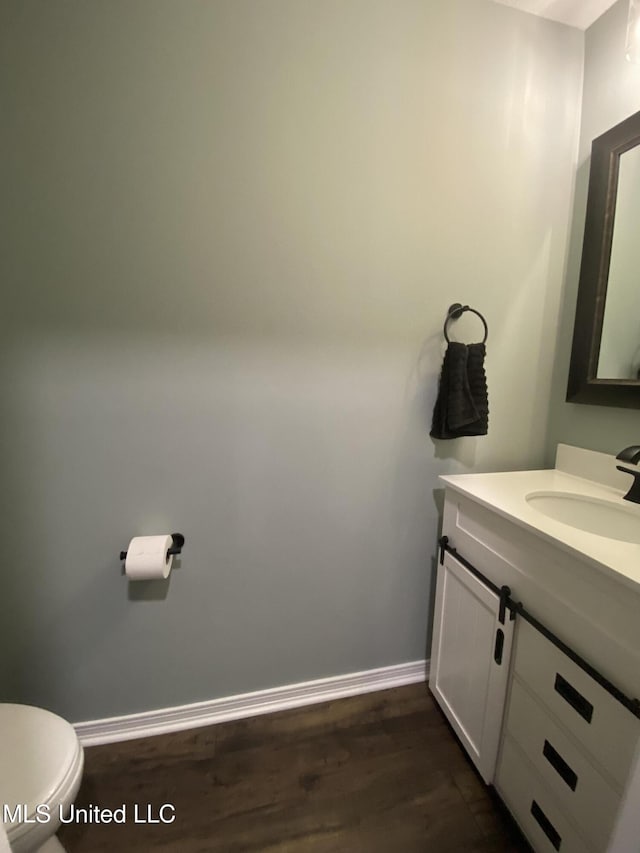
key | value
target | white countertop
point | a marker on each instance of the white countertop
(505, 493)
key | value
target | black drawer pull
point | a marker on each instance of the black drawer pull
(545, 825)
(575, 699)
(560, 765)
(497, 649)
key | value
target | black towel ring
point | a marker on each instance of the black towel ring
(456, 311)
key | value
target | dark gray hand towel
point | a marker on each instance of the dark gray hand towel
(462, 406)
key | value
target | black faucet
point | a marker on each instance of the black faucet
(632, 455)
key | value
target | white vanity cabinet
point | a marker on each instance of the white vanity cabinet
(557, 744)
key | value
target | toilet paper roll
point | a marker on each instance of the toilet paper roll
(147, 558)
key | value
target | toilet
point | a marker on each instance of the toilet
(41, 762)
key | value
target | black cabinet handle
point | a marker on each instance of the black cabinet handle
(545, 825)
(573, 697)
(497, 649)
(560, 765)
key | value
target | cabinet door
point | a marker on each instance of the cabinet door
(468, 675)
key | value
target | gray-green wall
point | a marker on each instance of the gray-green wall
(231, 233)
(611, 93)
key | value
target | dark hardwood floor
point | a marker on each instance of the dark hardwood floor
(376, 773)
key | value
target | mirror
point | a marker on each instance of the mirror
(605, 358)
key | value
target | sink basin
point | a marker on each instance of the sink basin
(594, 515)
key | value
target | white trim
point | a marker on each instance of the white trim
(148, 723)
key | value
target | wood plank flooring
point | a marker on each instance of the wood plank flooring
(376, 773)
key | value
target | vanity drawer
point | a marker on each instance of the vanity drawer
(598, 721)
(584, 795)
(539, 816)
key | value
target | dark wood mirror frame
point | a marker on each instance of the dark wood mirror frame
(584, 386)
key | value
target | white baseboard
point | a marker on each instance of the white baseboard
(165, 720)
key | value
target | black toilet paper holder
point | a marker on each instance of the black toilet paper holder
(176, 547)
